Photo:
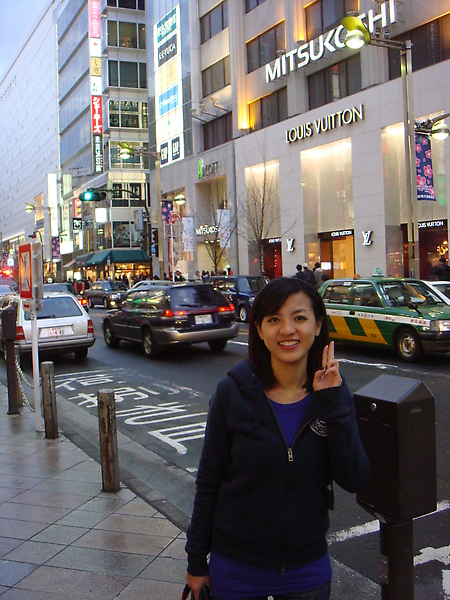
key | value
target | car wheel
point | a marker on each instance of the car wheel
(80, 354)
(243, 314)
(217, 345)
(407, 345)
(150, 348)
(105, 302)
(110, 339)
(91, 303)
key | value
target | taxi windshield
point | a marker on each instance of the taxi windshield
(402, 293)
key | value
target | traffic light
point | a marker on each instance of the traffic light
(92, 195)
(155, 245)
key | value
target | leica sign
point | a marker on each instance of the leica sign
(327, 43)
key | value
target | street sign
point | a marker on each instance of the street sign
(174, 217)
(77, 224)
(25, 275)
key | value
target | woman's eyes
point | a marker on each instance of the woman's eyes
(276, 319)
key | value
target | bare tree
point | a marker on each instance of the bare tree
(216, 236)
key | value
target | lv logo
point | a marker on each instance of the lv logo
(367, 238)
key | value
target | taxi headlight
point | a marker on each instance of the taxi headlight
(440, 326)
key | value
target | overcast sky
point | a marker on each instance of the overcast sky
(16, 19)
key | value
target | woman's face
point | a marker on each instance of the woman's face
(290, 333)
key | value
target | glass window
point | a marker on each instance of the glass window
(251, 4)
(113, 73)
(129, 114)
(268, 110)
(128, 74)
(113, 113)
(112, 33)
(141, 4)
(127, 4)
(217, 132)
(216, 76)
(205, 29)
(216, 20)
(142, 42)
(253, 55)
(335, 82)
(111, 3)
(142, 76)
(127, 35)
(263, 49)
(314, 20)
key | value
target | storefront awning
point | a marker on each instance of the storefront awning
(82, 260)
(69, 264)
(122, 255)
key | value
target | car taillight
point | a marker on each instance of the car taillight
(20, 335)
(228, 308)
(90, 327)
(167, 313)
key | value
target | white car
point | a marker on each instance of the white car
(63, 326)
(442, 289)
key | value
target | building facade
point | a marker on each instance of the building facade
(29, 147)
(300, 138)
(273, 142)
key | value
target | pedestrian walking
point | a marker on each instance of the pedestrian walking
(319, 275)
(442, 270)
(281, 428)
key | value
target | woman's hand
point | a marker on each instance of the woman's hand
(197, 583)
(328, 376)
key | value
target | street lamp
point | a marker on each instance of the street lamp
(358, 36)
(126, 152)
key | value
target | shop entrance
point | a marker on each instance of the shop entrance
(272, 259)
(337, 254)
(433, 243)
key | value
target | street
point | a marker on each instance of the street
(162, 406)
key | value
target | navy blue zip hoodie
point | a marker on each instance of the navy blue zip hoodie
(258, 501)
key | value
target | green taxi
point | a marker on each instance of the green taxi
(405, 315)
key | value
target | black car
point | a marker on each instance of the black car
(241, 290)
(162, 315)
(108, 293)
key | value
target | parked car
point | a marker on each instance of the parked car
(67, 288)
(7, 280)
(146, 283)
(241, 290)
(442, 289)
(108, 293)
(63, 326)
(5, 289)
(402, 314)
(162, 315)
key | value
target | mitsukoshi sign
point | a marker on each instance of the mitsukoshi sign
(327, 43)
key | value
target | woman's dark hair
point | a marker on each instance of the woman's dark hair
(268, 302)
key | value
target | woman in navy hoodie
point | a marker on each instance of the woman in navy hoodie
(281, 428)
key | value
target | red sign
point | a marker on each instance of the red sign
(25, 275)
(174, 217)
(95, 30)
(97, 122)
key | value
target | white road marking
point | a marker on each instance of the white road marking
(173, 436)
(372, 526)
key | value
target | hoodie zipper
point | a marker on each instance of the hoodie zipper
(290, 457)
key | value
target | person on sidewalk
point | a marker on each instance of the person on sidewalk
(281, 428)
(442, 270)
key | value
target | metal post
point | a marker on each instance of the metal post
(49, 400)
(159, 214)
(410, 158)
(397, 561)
(20, 391)
(109, 455)
(11, 376)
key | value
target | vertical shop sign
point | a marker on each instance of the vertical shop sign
(56, 255)
(95, 34)
(168, 86)
(424, 169)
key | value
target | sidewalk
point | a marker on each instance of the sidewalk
(62, 537)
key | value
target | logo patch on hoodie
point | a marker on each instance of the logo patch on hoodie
(319, 427)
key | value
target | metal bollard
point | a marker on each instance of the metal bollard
(19, 389)
(109, 455)
(49, 400)
(8, 317)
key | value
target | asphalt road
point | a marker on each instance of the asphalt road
(161, 405)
